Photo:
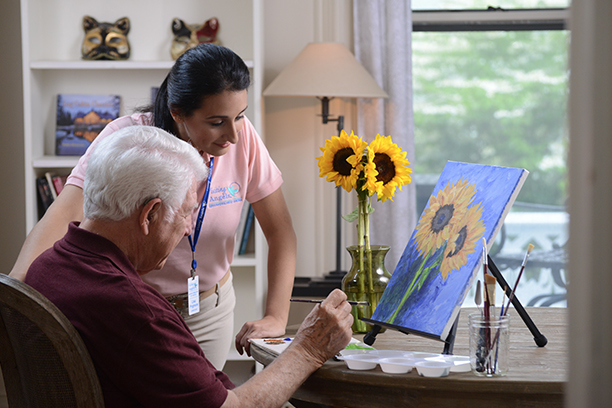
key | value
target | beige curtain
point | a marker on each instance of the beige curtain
(383, 30)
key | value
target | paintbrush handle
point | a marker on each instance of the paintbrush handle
(350, 302)
(511, 296)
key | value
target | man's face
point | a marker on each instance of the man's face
(166, 234)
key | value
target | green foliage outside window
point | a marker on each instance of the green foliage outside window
(495, 98)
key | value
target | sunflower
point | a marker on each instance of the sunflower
(391, 166)
(443, 215)
(333, 164)
(470, 230)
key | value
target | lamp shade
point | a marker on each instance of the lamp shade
(325, 70)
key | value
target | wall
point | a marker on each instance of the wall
(590, 199)
(12, 203)
(294, 132)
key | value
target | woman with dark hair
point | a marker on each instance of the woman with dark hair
(203, 101)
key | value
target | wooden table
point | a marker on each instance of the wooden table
(536, 376)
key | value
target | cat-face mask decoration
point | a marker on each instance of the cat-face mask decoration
(105, 41)
(187, 36)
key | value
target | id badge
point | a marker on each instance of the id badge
(193, 295)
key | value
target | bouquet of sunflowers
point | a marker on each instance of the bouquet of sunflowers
(375, 169)
(378, 168)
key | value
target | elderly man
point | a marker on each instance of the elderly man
(139, 196)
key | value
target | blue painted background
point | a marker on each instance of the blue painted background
(431, 309)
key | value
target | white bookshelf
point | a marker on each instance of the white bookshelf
(52, 64)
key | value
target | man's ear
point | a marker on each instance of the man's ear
(149, 214)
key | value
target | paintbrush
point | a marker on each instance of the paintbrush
(478, 297)
(490, 286)
(496, 339)
(511, 296)
(485, 271)
(487, 304)
(503, 301)
(350, 302)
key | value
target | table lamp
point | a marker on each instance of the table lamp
(325, 71)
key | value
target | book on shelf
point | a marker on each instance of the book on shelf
(49, 176)
(44, 193)
(80, 118)
(154, 92)
(58, 183)
(248, 227)
(240, 230)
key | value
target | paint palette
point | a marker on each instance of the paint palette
(361, 361)
(459, 364)
(397, 365)
(433, 368)
(402, 362)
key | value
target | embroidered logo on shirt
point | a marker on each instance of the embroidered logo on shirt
(233, 189)
(225, 195)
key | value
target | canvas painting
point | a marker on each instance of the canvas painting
(444, 254)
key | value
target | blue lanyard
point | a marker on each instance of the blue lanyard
(198, 226)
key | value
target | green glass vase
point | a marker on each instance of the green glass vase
(365, 282)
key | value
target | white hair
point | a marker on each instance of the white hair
(137, 164)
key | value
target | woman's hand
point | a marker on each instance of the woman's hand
(275, 222)
(258, 329)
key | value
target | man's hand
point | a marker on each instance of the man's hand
(327, 328)
(324, 332)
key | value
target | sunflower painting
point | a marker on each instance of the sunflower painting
(442, 258)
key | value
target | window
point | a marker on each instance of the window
(490, 86)
(484, 4)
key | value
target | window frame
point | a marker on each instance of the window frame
(492, 19)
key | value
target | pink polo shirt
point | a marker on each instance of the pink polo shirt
(245, 172)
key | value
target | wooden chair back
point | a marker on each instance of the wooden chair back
(44, 360)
